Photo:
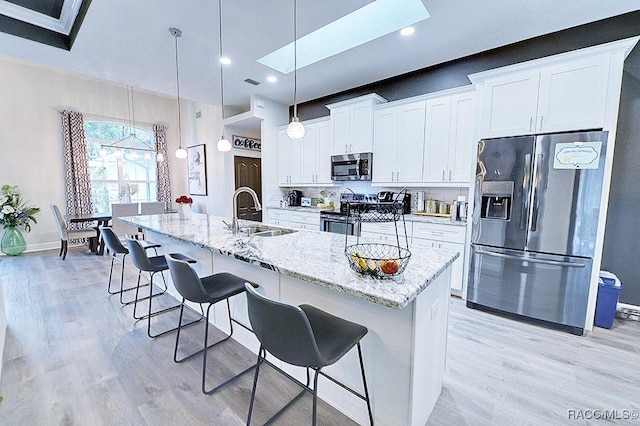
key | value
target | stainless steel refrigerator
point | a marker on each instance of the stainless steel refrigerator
(535, 219)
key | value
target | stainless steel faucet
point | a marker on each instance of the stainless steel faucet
(234, 222)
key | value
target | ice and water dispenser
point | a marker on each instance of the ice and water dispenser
(497, 198)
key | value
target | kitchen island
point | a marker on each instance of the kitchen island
(404, 352)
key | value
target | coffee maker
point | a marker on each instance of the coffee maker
(295, 197)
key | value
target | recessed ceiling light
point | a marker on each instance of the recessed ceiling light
(225, 61)
(271, 79)
(407, 31)
(374, 20)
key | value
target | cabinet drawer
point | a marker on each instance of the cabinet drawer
(439, 232)
(387, 228)
(311, 219)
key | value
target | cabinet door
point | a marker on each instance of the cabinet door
(461, 144)
(438, 128)
(410, 143)
(509, 104)
(573, 95)
(283, 157)
(457, 266)
(324, 146)
(385, 144)
(308, 155)
(361, 128)
(340, 123)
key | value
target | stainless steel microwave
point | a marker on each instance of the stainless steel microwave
(351, 166)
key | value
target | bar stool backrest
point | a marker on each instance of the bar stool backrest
(283, 330)
(186, 280)
(120, 210)
(139, 258)
(112, 241)
(152, 207)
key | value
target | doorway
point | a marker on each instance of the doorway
(248, 172)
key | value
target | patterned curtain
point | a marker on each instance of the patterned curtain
(76, 161)
(163, 183)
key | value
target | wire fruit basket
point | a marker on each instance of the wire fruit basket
(377, 260)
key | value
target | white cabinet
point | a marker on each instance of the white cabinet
(449, 144)
(385, 232)
(295, 219)
(449, 237)
(398, 144)
(569, 95)
(289, 156)
(316, 153)
(352, 124)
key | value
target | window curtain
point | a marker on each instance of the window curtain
(163, 183)
(76, 162)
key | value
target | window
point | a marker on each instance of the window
(122, 164)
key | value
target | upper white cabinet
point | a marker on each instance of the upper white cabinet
(449, 144)
(352, 124)
(398, 144)
(569, 95)
(306, 161)
(316, 153)
(289, 156)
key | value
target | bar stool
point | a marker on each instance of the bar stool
(210, 289)
(115, 247)
(152, 265)
(303, 336)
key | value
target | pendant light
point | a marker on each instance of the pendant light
(223, 144)
(295, 129)
(180, 152)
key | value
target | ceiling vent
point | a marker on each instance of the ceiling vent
(250, 81)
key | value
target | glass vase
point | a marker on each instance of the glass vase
(184, 211)
(13, 243)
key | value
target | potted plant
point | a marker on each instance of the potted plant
(184, 207)
(15, 214)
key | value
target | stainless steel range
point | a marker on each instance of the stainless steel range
(337, 221)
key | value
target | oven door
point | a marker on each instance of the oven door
(339, 226)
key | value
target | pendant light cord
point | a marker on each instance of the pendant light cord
(295, 57)
(176, 35)
(221, 67)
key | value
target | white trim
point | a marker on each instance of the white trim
(70, 9)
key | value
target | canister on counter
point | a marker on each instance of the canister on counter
(431, 206)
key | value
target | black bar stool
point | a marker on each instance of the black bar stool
(152, 265)
(115, 247)
(306, 337)
(210, 289)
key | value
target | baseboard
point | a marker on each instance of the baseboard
(45, 246)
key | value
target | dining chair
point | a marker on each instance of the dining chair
(303, 336)
(67, 234)
(152, 207)
(121, 210)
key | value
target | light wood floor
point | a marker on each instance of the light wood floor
(74, 356)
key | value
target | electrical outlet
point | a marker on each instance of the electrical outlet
(435, 308)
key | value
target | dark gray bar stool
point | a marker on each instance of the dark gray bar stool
(115, 247)
(306, 337)
(152, 265)
(210, 289)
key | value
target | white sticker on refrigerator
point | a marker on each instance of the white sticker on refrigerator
(577, 155)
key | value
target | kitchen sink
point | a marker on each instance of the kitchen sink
(265, 231)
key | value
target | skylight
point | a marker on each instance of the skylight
(374, 20)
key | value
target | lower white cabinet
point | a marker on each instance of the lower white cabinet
(449, 237)
(294, 219)
(385, 232)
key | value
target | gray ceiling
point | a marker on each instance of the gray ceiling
(128, 42)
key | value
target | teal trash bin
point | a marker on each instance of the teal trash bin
(609, 288)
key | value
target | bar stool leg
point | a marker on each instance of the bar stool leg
(364, 383)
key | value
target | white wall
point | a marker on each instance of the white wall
(31, 145)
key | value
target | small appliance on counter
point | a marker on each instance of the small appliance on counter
(308, 201)
(295, 197)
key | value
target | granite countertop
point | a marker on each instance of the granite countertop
(407, 217)
(312, 256)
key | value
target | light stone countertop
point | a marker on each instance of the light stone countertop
(407, 217)
(312, 256)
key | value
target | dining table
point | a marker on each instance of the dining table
(103, 219)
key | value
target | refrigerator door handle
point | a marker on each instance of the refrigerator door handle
(536, 199)
(526, 188)
(522, 259)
